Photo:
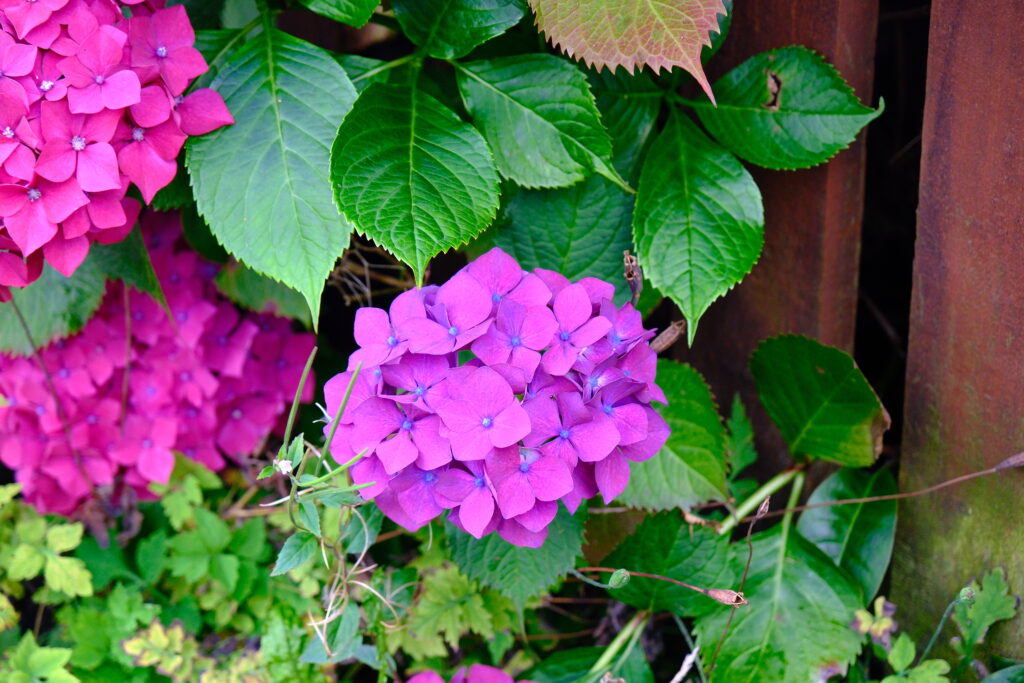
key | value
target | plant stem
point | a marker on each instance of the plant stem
(384, 67)
(938, 630)
(750, 504)
(298, 398)
(341, 409)
(625, 635)
(690, 644)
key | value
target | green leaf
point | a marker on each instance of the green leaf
(259, 293)
(26, 563)
(558, 138)
(612, 33)
(929, 671)
(224, 568)
(571, 666)
(262, 183)
(61, 538)
(128, 261)
(451, 28)
(54, 306)
(249, 540)
(359, 70)
(698, 222)
(857, 536)
(352, 12)
(992, 603)
(202, 14)
(199, 237)
(67, 575)
(151, 556)
(665, 545)
(309, 516)
(740, 452)
(797, 622)
(1012, 674)
(820, 400)
(190, 558)
(411, 175)
(690, 468)
(40, 663)
(517, 572)
(177, 194)
(359, 537)
(343, 634)
(786, 108)
(578, 231)
(213, 530)
(105, 564)
(629, 107)
(902, 653)
(295, 552)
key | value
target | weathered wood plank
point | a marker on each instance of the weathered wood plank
(806, 281)
(965, 375)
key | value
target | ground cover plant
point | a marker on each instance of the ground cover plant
(486, 473)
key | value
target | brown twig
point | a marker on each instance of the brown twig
(1012, 462)
(634, 276)
(723, 595)
(669, 336)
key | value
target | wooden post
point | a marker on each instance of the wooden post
(965, 374)
(806, 280)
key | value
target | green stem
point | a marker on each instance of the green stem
(384, 67)
(750, 504)
(794, 498)
(938, 630)
(321, 479)
(624, 636)
(298, 398)
(341, 409)
(682, 101)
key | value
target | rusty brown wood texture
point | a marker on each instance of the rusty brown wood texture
(806, 280)
(965, 375)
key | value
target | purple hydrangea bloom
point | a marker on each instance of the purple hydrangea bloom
(495, 398)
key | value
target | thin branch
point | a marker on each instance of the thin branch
(723, 595)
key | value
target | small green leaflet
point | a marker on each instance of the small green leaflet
(296, 551)
(352, 12)
(665, 545)
(571, 666)
(698, 221)
(857, 536)
(630, 34)
(517, 572)
(411, 175)
(539, 118)
(629, 107)
(797, 622)
(129, 261)
(785, 109)
(262, 183)
(452, 28)
(992, 603)
(53, 306)
(578, 231)
(690, 468)
(820, 400)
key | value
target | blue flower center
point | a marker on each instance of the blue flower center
(161, 51)
(185, 376)
(607, 409)
(34, 195)
(78, 143)
(150, 391)
(564, 434)
(91, 419)
(40, 410)
(147, 443)
(46, 85)
(236, 414)
(406, 425)
(419, 391)
(8, 133)
(627, 373)
(138, 135)
(99, 79)
(515, 341)
(593, 380)
(429, 477)
(524, 467)
(564, 336)
(64, 373)
(137, 316)
(281, 363)
(487, 422)
(495, 297)
(392, 341)
(453, 330)
(614, 336)
(478, 482)
(182, 317)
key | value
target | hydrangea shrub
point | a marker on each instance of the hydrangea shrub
(496, 395)
(91, 101)
(478, 673)
(133, 387)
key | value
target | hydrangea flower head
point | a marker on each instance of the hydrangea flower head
(90, 102)
(186, 392)
(495, 396)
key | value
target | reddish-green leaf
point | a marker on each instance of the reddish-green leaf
(613, 33)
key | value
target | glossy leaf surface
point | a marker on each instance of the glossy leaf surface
(451, 28)
(820, 400)
(352, 12)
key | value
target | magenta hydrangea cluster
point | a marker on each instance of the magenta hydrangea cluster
(496, 395)
(478, 673)
(91, 100)
(132, 387)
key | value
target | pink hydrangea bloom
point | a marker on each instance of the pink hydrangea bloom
(478, 673)
(551, 405)
(91, 101)
(186, 392)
